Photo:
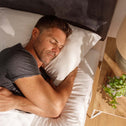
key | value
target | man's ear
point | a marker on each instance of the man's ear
(35, 33)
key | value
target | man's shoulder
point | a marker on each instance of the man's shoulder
(16, 54)
(19, 63)
(17, 51)
(20, 54)
(12, 51)
(15, 57)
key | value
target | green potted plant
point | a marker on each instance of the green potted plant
(115, 87)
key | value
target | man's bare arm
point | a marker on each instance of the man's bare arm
(42, 98)
(9, 101)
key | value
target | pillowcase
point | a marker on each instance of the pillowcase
(76, 47)
(16, 27)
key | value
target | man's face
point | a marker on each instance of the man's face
(48, 44)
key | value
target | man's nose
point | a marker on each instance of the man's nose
(56, 50)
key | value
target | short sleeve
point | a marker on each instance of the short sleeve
(21, 64)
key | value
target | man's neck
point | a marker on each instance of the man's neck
(30, 49)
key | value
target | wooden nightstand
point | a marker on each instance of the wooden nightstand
(99, 102)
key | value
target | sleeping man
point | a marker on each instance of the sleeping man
(21, 85)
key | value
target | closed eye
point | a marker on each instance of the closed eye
(54, 41)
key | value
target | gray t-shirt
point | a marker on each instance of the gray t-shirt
(16, 62)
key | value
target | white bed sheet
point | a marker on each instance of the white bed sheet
(74, 113)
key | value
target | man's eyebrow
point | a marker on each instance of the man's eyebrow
(55, 39)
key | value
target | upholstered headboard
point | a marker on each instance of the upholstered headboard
(94, 15)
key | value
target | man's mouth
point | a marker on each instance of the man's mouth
(51, 54)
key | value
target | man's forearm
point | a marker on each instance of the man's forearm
(65, 88)
(24, 104)
(9, 101)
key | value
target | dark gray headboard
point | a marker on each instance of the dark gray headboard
(94, 15)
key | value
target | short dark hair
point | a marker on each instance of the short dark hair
(50, 21)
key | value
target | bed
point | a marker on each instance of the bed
(89, 20)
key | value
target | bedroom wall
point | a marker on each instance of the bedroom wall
(119, 14)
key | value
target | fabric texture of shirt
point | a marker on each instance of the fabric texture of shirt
(15, 63)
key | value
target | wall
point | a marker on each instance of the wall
(119, 14)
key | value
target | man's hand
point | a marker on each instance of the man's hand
(7, 101)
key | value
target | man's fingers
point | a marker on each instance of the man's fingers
(7, 100)
(4, 91)
(4, 98)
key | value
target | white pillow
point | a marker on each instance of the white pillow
(77, 46)
(16, 26)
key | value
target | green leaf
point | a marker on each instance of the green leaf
(116, 87)
(121, 81)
